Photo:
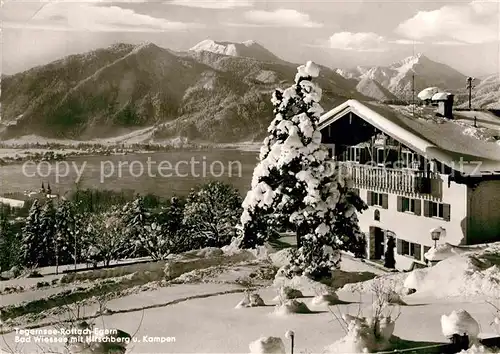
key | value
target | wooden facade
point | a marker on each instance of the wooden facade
(377, 161)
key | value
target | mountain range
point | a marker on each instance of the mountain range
(412, 73)
(406, 78)
(216, 91)
(197, 94)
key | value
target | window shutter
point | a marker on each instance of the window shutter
(400, 203)
(446, 212)
(426, 208)
(418, 207)
(369, 198)
(385, 201)
(417, 251)
(399, 246)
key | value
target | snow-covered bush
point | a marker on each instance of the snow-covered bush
(289, 307)
(304, 284)
(296, 186)
(250, 300)
(106, 237)
(374, 331)
(156, 243)
(460, 322)
(211, 215)
(267, 345)
(325, 300)
(415, 278)
(287, 293)
(361, 335)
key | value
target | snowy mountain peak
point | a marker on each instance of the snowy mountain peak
(249, 43)
(408, 62)
(250, 49)
(400, 78)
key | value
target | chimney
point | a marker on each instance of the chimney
(445, 104)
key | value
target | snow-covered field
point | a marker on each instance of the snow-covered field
(195, 313)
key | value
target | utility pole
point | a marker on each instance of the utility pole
(470, 87)
(413, 93)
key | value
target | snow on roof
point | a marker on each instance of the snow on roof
(444, 142)
(440, 96)
(426, 94)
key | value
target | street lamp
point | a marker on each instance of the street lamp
(436, 234)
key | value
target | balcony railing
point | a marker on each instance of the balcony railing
(401, 181)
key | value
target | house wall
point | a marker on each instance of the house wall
(416, 228)
(484, 212)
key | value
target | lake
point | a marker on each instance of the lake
(160, 173)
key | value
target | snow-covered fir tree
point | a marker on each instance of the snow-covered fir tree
(48, 233)
(9, 244)
(32, 238)
(65, 236)
(171, 216)
(211, 214)
(295, 184)
(346, 225)
(134, 216)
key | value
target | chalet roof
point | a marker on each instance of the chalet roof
(440, 139)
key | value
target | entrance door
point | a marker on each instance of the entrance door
(377, 236)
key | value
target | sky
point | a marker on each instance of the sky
(462, 33)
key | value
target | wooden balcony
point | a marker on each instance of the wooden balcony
(389, 180)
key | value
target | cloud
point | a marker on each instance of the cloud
(360, 41)
(474, 22)
(364, 42)
(279, 18)
(66, 16)
(212, 4)
(405, 41)
(449, 43)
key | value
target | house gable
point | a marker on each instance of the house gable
(420, 138)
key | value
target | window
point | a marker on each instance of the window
(376, 215)
(378, 199)
(437, 210)
(405, 250)
(410, 160)
(416, 251)
(409, 249)
(409, 205)
(380, 156)
(353, 154)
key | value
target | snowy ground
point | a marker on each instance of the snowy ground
(198, 309)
